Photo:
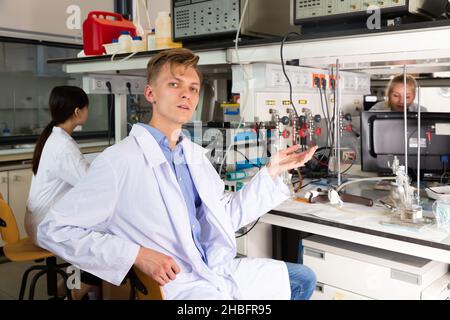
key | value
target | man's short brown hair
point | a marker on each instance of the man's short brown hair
(172, 57)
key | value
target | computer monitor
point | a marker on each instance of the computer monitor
(382, 138)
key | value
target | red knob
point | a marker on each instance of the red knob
(318, 131)
(349, 128)
(303, 133)
(285, 134)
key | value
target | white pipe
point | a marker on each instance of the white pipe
(342, 186)
(405, 110)
(338, 123)
(405, 117)
(419, 115)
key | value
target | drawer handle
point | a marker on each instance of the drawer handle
(319, 287)
(406, 277)
(4, 180)
(16, 178)
(314, 253)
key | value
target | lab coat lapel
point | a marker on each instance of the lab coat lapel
(150, 148)
(167, 183)
(196, 161)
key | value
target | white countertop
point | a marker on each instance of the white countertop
(99, 143)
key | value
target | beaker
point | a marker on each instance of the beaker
(441, 211)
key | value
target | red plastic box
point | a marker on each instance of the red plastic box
(101, 27)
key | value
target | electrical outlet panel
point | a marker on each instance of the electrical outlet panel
(348, 156)
(270, 77)
(97, 84)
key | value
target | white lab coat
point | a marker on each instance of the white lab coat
(130, 198)
(61, 166)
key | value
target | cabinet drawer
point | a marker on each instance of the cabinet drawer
(367, 271)
(19, 182)
(327, 292)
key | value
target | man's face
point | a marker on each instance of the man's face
(174, 95)
(396, 97)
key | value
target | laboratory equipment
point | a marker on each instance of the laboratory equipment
(307, 12)
(194, 20)
(382, 138)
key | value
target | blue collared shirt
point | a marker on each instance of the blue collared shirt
(177, 161)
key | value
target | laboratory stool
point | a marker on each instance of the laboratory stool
(143, 287)
(18, 249)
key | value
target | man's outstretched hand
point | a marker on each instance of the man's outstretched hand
(289, 159)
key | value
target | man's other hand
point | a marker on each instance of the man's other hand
(158, 266)
(289, 159)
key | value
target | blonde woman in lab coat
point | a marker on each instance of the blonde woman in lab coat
(395, 92)
(58, 164)
(155, 201)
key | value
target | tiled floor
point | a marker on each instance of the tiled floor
(11, 277)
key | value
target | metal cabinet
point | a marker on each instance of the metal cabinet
(4, 185)
(344, 267)
(4, 190)
(19, 182)
(257, 243)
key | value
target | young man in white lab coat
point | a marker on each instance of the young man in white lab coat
(155, 201)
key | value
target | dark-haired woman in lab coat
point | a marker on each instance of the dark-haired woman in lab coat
(58, 164)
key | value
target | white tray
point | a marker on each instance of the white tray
(443, 193)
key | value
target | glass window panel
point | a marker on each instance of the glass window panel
(26, 80)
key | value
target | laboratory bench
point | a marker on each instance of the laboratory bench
(20, 155)
(16, 174)
(370, 226)
(15, 165)
(356, 252)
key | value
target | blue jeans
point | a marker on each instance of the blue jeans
(302, 280)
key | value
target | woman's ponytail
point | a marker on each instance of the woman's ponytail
(40, 145)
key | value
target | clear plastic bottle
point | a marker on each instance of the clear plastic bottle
(151, 40)
(137, 44)
(163, 30)
(125, 41)
(113, 47)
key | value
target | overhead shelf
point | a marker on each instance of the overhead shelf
(411, 47)
(214, 57)
(379, 52)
